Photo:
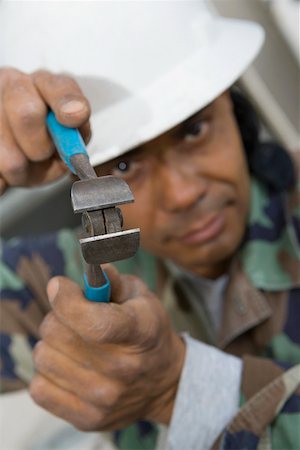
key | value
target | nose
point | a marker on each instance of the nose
(179, 187)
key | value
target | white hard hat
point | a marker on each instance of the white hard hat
(145, 66)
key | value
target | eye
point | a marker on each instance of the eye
(123, 166)
(126, 169)
(196, 130)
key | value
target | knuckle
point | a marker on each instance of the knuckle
(15, 166)
(108, 396)
(113, 396)
(64, 80)
(47, 326)
(8, 73)
(63, 84)
(12, 72)
(53, 332)
(129, 368)
(133, 369)
(36, 349)
(38, 354)
(90, 421)
(29, 114)
(37, 390)
(69, 87)
(96, 393)
(153, 333)
(41, 73)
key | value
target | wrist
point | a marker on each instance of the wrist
(162, 407)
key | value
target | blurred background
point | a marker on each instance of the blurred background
(272, 83)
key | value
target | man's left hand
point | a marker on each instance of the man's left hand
(103, 366)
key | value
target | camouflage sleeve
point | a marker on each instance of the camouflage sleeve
(26, 267)
(269, 416)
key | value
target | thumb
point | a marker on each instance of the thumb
(70, 305)
(101, 322)
(58, 286)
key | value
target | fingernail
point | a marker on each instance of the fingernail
(52, 289)
(73, 107)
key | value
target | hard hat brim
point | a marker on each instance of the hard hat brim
(144, 66)
(186, 89)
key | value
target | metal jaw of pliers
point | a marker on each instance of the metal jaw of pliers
(103, 240)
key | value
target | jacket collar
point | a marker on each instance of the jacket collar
(244, 306)
(268, 262)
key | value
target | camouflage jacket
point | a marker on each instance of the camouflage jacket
(261, 319)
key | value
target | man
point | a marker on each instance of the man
(219, 250)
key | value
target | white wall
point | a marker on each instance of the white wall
(273, 80)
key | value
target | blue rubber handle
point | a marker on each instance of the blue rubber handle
(100, 294)
(68, 141)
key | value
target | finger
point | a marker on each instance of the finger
(3, 185)
(26, 112)
(115, 282)
(96, 322)
(86, 132)
(46, 171)
(65, 405)
(62, 338)
(137, 301)
(72, 377)
(124, 287)
(64, 97)
(15, 168)
(112, 361)
(13, 163)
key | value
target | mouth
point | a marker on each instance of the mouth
(205, 230)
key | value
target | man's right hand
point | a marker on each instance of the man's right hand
(27, 154)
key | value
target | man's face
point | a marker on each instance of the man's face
(191, 188)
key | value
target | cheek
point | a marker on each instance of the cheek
(229, 154)
(137, 215)
(234, 173)
(143, 214)
(230, 164)
(240, 179)
(236, 220)
(131, 217)
(228, 142)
